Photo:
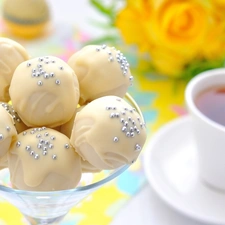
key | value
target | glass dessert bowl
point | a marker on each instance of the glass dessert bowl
(51, 207)
(40, 207)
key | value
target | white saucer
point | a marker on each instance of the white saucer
(170, 163)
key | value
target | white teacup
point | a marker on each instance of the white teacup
(209, 135)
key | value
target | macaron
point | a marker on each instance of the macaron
(26, 18)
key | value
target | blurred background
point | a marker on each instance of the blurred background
(167, 42)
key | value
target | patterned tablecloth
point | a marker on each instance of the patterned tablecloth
(160, 99)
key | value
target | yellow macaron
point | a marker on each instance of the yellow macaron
(26, 18)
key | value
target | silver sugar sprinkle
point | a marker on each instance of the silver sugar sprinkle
(137, 147)
(57, 82)
(32, 153)
(104, 46)
(44, 153)
(124, 129)
(46, 75)
(66, 146)
(28, 148)
(112, 115)
(39, 83)
(36, 156)
(115, 139)
(111, 59)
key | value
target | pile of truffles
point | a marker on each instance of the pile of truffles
(61, 119)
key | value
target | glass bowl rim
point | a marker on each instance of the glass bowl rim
(97, 184)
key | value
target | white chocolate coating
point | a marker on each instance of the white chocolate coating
(18, 123)
(88, 168)
(44, 92)
(108, 133)
(101, 71)
(3, 162)
(42, 159)
(66, 128)
(11, 55)
(7, 134)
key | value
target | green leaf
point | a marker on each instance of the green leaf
(100, 7)
(102, 25)
(198, 66)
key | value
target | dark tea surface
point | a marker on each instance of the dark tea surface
(211, 103)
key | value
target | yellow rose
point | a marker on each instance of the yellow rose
(214, 44)
(180, 26)
(173, 32)
(167, 62)
(129, 21)
(219, 3)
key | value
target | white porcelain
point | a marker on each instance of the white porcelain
(171, 167)
(209, 135)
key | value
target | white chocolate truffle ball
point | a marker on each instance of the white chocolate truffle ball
(7, 134)
(108, 133)
(18, 123)
(101, 71)
(44, 92)
(11, 55)
(42, 159)
(66, 129)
